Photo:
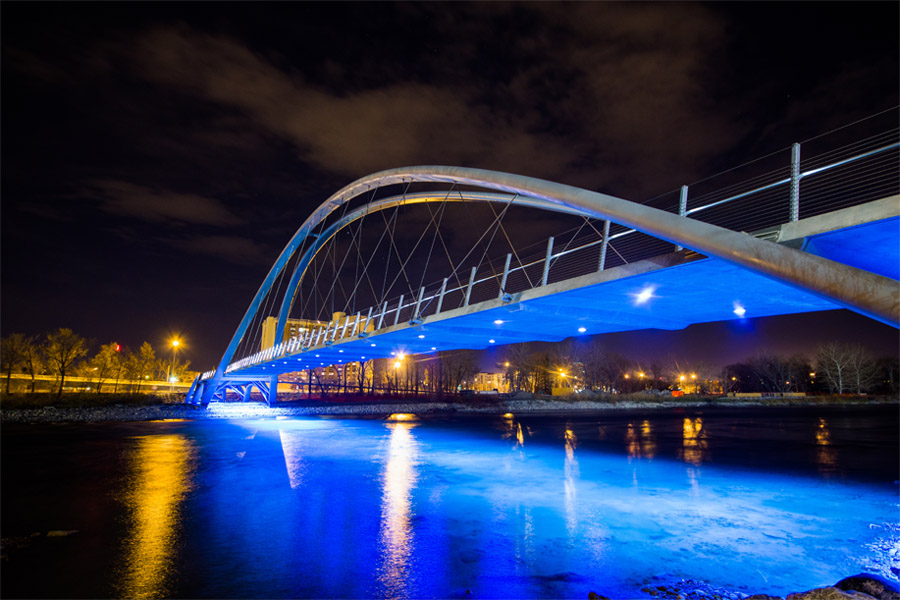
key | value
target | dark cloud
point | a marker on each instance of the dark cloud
(157, 206)
(234, 249)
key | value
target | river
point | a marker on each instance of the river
(755, 500)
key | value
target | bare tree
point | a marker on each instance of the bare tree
(863, 369)
(517, 371)
(777, 373)
(833, 365)
(889, 372)
(141, 364)
(592, 358)
(33, 359)
(105, 364)
(63, 348)
(12, 354)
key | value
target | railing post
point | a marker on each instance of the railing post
(441, 297)
(795, 182)
(363, 333)
(415, 316)
(344, 330)
(547, 262)
(469, 287)
(399, 306)
(355, 324)
(604, 244)
(505, 275)
(334, 331)
(682, 210)
(381, 316)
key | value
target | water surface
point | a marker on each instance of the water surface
(757, 500)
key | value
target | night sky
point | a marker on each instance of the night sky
(157, 157)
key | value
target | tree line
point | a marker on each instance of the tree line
(836, 368)
(63, 353)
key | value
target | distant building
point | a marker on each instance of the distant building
(294, 328)
(485, 382)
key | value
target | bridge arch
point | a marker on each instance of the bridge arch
(867, 293)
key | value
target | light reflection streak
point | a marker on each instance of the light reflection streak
(641, 445)
(571, 475)
(694, 447)
(396, 540)
(160, 479)
(826, 455)
(648, 442)
(292, 449)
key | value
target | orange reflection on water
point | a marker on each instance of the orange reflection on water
(648, 442)
(396, 531)
(826, 455)
(641, 445)
(694, 447)
(159, 481)
(571, 476)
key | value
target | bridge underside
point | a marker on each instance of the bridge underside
(666, 292)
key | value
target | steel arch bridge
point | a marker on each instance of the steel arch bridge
(831, 259)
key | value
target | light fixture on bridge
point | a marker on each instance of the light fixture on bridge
(582, 329)
(644, 295)
(434, 348)
(498, 322)
(340, 351)
(421, 337)
(739, 310)
(492, 341)
(372, 344)
(317, 356)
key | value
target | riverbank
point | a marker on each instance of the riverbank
(496, 406)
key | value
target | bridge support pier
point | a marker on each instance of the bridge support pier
(273, 391)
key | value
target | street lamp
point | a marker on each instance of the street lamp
(175, 344)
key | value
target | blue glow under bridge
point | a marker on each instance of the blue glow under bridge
(427, 259)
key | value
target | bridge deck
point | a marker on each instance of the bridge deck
(666, 292)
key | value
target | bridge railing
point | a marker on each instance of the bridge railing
(853, 174)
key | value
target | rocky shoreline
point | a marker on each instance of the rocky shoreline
(255, 410)
(863, 586)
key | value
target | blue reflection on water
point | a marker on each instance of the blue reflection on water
(509, 507)
(353, 508)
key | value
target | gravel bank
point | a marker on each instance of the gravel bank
(235, 410)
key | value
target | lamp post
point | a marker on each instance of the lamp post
(175, 344)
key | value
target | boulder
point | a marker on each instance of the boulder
(829, 593)
(873, 585)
